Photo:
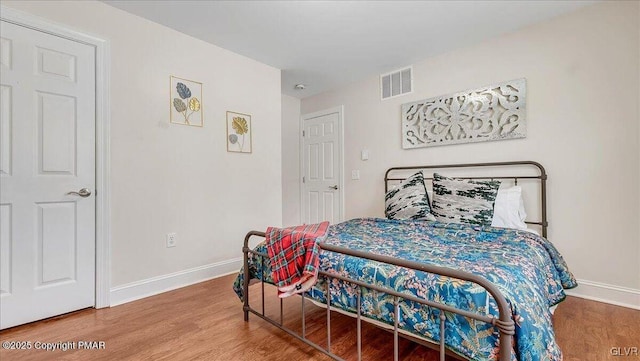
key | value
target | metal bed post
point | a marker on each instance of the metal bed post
(396, 315)
(543, 195)
(245, 284)
(262, 280)
(328, 315)
(359, 324)
(442, 334)
(304, 329)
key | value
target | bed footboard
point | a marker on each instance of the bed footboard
(504, 323)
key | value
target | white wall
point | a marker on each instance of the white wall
(582, 73)
(290, 160)
(174, 178)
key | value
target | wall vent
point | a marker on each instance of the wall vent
(396, 83)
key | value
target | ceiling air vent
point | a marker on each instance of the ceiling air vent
(396, 83)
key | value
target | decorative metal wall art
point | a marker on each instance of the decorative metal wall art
(185, 102)
(494, 112)
(239, 132)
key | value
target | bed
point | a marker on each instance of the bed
(476, 292)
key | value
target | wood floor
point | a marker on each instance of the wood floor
(204, 322)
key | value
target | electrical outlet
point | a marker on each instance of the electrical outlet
(355, 174)
(172, 239)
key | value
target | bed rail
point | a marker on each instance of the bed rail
(504, 323)
(391, 175)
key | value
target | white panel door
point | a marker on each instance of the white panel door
(47, 149)
(321, 168)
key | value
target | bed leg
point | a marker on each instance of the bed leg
(245, 284)
(245, 287)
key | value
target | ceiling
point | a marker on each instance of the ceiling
(328, 44)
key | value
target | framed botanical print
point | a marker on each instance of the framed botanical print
(185, 102)
(239, 132)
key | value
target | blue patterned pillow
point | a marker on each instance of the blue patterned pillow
(464, 201)
(409, 200)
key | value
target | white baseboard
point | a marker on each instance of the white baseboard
(153, 286)
(602, 292)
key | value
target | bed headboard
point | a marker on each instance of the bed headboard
(523, 171)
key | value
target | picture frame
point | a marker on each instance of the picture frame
(185, 102)
(239, 132)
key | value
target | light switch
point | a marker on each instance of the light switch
(355, 174)
(364, 154)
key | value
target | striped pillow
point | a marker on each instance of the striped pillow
(464, 201)
(409, 200)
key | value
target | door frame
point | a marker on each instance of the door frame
(341, 202)
(103, 119)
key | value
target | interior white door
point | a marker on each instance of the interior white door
(322, 167)
(47, 149)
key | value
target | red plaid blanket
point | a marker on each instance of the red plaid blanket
(294, 256)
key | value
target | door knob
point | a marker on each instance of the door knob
(334, 187)
(84, 193)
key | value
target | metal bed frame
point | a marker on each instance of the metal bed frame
(504, 323)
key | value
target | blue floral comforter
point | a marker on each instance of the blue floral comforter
(527, 269)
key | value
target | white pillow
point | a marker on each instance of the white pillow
(508, 210)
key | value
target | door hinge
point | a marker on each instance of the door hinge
(303, 133)
(303, 180)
